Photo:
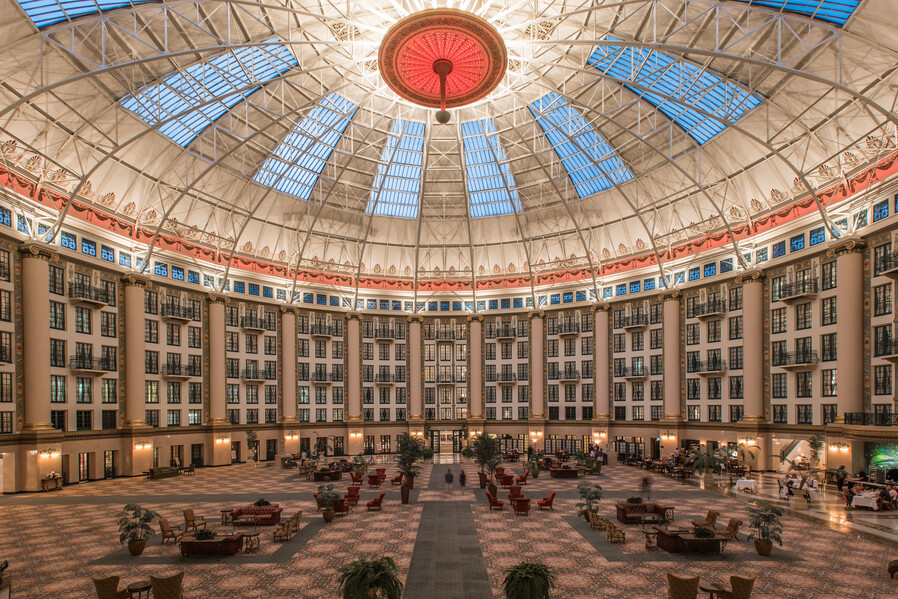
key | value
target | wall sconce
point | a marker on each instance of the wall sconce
(142, 445)
(843, 447)
(597, 435)
(748, 441)
(668, 436)
(415, 433)
(49, 453)
(291, 436)
(220, 440)
(474, 432)
(536, 434)
(356, 435)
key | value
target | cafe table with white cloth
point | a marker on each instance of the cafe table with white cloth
(746, 484)
(865, 500)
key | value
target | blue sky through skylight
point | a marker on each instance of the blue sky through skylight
(688, 83)
(590, 161)
(218, 79)
(48, 12)
(833, 11)
(296, 163)
(401, 161)
(491, 188)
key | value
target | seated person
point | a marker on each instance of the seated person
(862, 476)
(884, 497)
(893, 493)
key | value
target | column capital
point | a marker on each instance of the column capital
(284, 309)
(750, 276)
(673, 294)
(136, 281)
(415, 318)
(536, 314)
(214, 298)
(850, 245)
(600, 307)
(475, 316)
(353, 315)
(33, 250)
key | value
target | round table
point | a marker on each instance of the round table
(137, 589)
(712, 589)
(251, 542)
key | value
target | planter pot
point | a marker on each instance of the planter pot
(483, 480)
(535, 473)
(403, 492)
(798, 503)
(492, 488)
(328, 515)
(763, 548)
(136, 548)
(410, 481)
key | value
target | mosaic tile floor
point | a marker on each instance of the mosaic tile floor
(56, 541)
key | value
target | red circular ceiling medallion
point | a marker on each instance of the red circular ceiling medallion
(442, 43)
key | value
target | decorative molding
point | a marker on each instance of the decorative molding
(353, 316)
(415, 318)
(214, 298)
(285, 308)
(136, 281)
(33, 250)
(673, 294)
(476, 316)
(750, 275)
(600, 307)
(536, 314)
(842, 247)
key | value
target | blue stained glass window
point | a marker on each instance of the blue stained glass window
(177, 273)
(432, 306)
(896, 204)
(581, 296)
(689, 86)
(592, 295)
(679, 277)
(308, 298)
(761, 256)
(506, 303)
(48, 12)
(481, 305)
(372, 304)
(648, 284)
(607, 292)
(384, 304)
(397, 185)
(634, 287)
(817, 235)
(621, 289)
(347, 303)
(695, 273)
(5, 217)
(267, 291)
(726, 265)
(542, 300)
(589, 160)
(408, 306)
(555, 299)
(444, 306)
(68, 241)
(124, 259)
(107, 253)
(491, 187)
(208, 281)
(160, 269)
(456, 306)
(321, 299)
(295, 164)
(494, 304)
(21, 223)
(711, 269)
(239, 287)
(335, 301)
(281, 294)
(568, 297)
(224, 81)
(833, 11)
(252, 288)
(359, 304)
(779, 249)
(469, 306)
(880, 210)
(860, 219)
(88, 247)
(42, 228)
(193, 277)
(420, 306)
(796, 243)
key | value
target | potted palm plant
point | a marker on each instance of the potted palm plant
(373, 578)
(488, 456)
(528, 580)
(134, 527)
(360, 465)
(327, 496)
(764, 522)
(590, 494)
(706, 464)
(410, 450)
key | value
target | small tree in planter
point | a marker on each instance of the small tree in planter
(533, 464)
(374, 578)
(815, 447)
(590, 494)
(360, 465)
(134, 527)
(487, 455)
(327, 496)
(410, 450)
(764, 522)
(528, 580)
(252, 444)
(706, 464)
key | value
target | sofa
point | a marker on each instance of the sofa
(163, 472)
(268, 515)
(673, 542)
(218, 547)
(628, 513)
(564, 472)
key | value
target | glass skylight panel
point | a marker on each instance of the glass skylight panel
(397, 184)
(491, 188)
(49, 12)
(689, 86)
(592, 164)
(296, 163)
(218, 85)
(832, 11)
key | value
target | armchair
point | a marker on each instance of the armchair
(376, 504)
(107, 588)
(168, 532)
(709, 520)
(682, 588)
(494, 503)
(742, 588)
(547, 502)
(167, 588)
(193, 521)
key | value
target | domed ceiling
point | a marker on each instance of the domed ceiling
(265, 129)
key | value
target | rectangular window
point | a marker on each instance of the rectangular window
(828, 347)
(151, 389)
(778, 385)
(828, 311)
(734, 326)
(694, 413)
(736, 413)
(736, 389)
(803, 316)
(57, 316)
(736, 358)
(714, 331)
(82, 320)
(803, 384)
(882, 377)
(693, 334)
(804, 414)
(830, 412)
(57, 388)
(780, 414)
(829, 380)
(882, 299)
(828, 272)
(778, 320)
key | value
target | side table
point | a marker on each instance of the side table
(651, 539)
(251, 542)
(712, 589)
(669, 513)
(139, 589)
(225, 516)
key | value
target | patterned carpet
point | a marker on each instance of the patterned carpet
(56, 541)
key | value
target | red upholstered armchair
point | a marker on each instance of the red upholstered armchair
(494, 503)
(373, 481)
(547, 502)
(376, 504)
(396, 480)
(522, 480)
(506, 480)
(381, 474)
(341, 508)
(513, 492)
(356, 480)
(352, 497)
(500, 472)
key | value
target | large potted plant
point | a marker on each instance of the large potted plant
(590, 495)
(360, 465)
(706, 464)
(410, 450)
(373, 578)
(764, 522)
(487, 455)
(134, 527)
(815, 447)
(528, 580)
(252, 444)
(326, 497)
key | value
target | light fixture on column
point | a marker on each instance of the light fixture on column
(220, 440)
(355, 435)
(668, 436)
(748, 441)
(291, 436)
(843, 447)
(142, 445)
(49, 453)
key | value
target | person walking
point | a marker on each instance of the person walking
(462, 479)
(647, 487)
(449, 478)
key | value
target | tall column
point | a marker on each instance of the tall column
(672, 332)
(35, 308)
(415, 370)
(288, 378)
(537, 365)
(753, 344)
(850, 338)
(475, 368)
(135, 349)
(354, 382)
(217, 371)
(603, 397)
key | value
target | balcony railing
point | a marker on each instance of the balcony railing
(632, 373)
(887, 265)
(886, 349)
(632, 322)
(184, 370)
(385, 334)
(502, 377)
(90, 363)
(564, 375)
(320, 330)
(258, 374)
(88, 294)
(798, 289)
(709, 309)
(386, 378)
(327, 377)
(444, 379)
(706, 366)
(252, 322)
(868, 419)
(566, 328)
(444, 335)
(504, 332)
(795, 359)
(177, 312)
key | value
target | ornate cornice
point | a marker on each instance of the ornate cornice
(841, 247)
(136, 281)
(474, 317)
(415, 318)
(214, 298)
(283, 309)
(749, 276)
(37, 251)
(673, 294)
(536, 314)
(353, 316)
(600, 307)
